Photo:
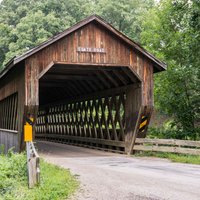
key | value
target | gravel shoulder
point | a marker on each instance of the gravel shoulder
(109, 176)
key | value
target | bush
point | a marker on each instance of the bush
(170, 131)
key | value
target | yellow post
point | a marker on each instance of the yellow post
(28, 132)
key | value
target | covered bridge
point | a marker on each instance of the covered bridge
(89, 85)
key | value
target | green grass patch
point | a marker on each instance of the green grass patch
(56, 183)
(181, 158)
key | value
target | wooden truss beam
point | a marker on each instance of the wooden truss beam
(100, 94)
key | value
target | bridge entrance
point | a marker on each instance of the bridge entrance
(85, 104)
(89, 85)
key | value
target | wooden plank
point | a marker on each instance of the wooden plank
(103, 105)
(6, 113)
(92, 120)
(8, 120)
(87, 119)
(118, 117)
(110, 78)
(103, 80)
(87, 89)
(96, 106)
(9, 131)
(63, 77)
(167, 149)
(92, 85)
(88, 65)
(9, 138)
(174, 142)
(120, 77)
(12, 112)
(133, 111)
(16, 109)
(85, 67)
(100, 94)
(48, 67)
(133, 76)
(109, 103)
(32, 165)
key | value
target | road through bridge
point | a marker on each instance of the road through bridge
(106, 176)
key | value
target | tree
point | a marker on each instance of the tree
(171, 31)
(33, 29)
(26, 23)
(126, 16)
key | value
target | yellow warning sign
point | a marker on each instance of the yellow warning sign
(143, 123)
(28, 131)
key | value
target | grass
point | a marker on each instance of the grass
(181, 158)
(56, 183)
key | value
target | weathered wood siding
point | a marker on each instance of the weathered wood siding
(12, 83)
(91, 35)
(8, 140)
(145, 71)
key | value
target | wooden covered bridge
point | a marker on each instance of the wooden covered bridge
(89, 85)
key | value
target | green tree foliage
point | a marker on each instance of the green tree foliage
(171, 31)
(26, 23)
(125, 15)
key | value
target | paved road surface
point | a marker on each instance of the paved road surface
(109, 176)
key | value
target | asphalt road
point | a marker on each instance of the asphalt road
(109, 176)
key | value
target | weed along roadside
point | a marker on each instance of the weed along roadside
(180, 158)
(55, 183)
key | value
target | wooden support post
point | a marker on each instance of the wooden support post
(147, 114)
(33, 165)
(133, 110)
(31, 91)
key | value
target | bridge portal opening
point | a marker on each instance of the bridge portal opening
(85, 105)
(89, 85)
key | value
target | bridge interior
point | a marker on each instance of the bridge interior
(84, 105)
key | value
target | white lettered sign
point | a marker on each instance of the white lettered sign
(91, 50)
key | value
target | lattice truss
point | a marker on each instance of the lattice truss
(102, 118)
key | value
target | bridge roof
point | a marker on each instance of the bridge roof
(158, 65)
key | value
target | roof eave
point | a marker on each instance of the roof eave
(7, 67)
